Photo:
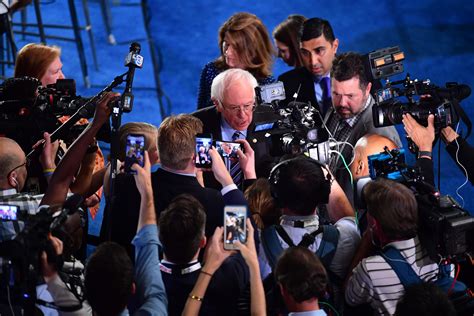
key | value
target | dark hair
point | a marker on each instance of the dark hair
(299, 184)
(394, 207)
(182, 228)
(349, 65)
(301, 274)
(314, 28)
(287, 33)
(108, 279)
(261, 204)
(425, 299)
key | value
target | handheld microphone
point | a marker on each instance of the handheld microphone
(132, 61)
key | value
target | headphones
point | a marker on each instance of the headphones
(275, 174)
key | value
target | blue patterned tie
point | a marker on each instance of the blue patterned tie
(326, 98)
(235, 171)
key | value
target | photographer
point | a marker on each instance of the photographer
(458, 148)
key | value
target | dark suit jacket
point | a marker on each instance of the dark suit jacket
(166, 186)
(211, 120)
(292, 80)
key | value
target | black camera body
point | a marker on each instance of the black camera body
(27, 109)
(20, 269)
(417, 98)
(444, 228)
(294, 129)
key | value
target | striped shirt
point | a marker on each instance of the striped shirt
(373, 280)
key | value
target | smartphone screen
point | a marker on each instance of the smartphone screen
(227, 149)
(235, 218)
(134, 151)
(8, 212)
(203, 144)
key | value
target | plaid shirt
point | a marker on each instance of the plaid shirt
(341, 130)
(27, 204)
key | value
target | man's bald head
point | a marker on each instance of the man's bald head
(11, 156)
(368, 145)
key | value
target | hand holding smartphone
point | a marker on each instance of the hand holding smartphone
(235, 228)
(203, 144)
(134, 151)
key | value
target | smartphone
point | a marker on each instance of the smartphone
(134, 151)
(8, 212)
(228, 149)
(203, 144)
(235, 228)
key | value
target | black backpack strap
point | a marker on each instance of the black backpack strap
(284, 235)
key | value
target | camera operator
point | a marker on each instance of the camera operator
(13, 174)
(458, 148)
(43, 62)
(393, 222)
(351, 117)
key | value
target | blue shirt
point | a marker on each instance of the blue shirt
(151, 292)
(318, 312)
(227, 132)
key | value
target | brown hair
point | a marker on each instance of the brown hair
(250, 38)
(176, 140)
(394, 207)
(149, 131)
(262, 206)
(287, 33)
(302, 274)
(34, 59)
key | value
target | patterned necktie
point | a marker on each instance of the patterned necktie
(235, 171)
(326, 98)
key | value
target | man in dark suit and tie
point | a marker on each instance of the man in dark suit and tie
(312, 83)
(231, 118)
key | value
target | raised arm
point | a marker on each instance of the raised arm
(64, 173)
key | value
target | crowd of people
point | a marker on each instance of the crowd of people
(309, 249)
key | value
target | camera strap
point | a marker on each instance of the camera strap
(460, 111)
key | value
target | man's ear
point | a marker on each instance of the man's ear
(203, 242)
(217, 104)
(12, 179)
(133, 290)
(335, 45)
(360, 167)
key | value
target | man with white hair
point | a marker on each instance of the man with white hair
(231, 116)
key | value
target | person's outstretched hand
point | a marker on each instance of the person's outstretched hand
(423, 137)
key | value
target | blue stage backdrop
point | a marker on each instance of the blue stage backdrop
(437, 39)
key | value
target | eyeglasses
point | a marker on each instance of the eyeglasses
(26, 164)
(235, 109)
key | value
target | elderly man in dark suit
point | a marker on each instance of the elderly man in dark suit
(231, 118)
(311, 83)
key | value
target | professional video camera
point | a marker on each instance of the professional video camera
(297, 128)
(27, 109)
(418, 98)
(445, 229)
(20, 268)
